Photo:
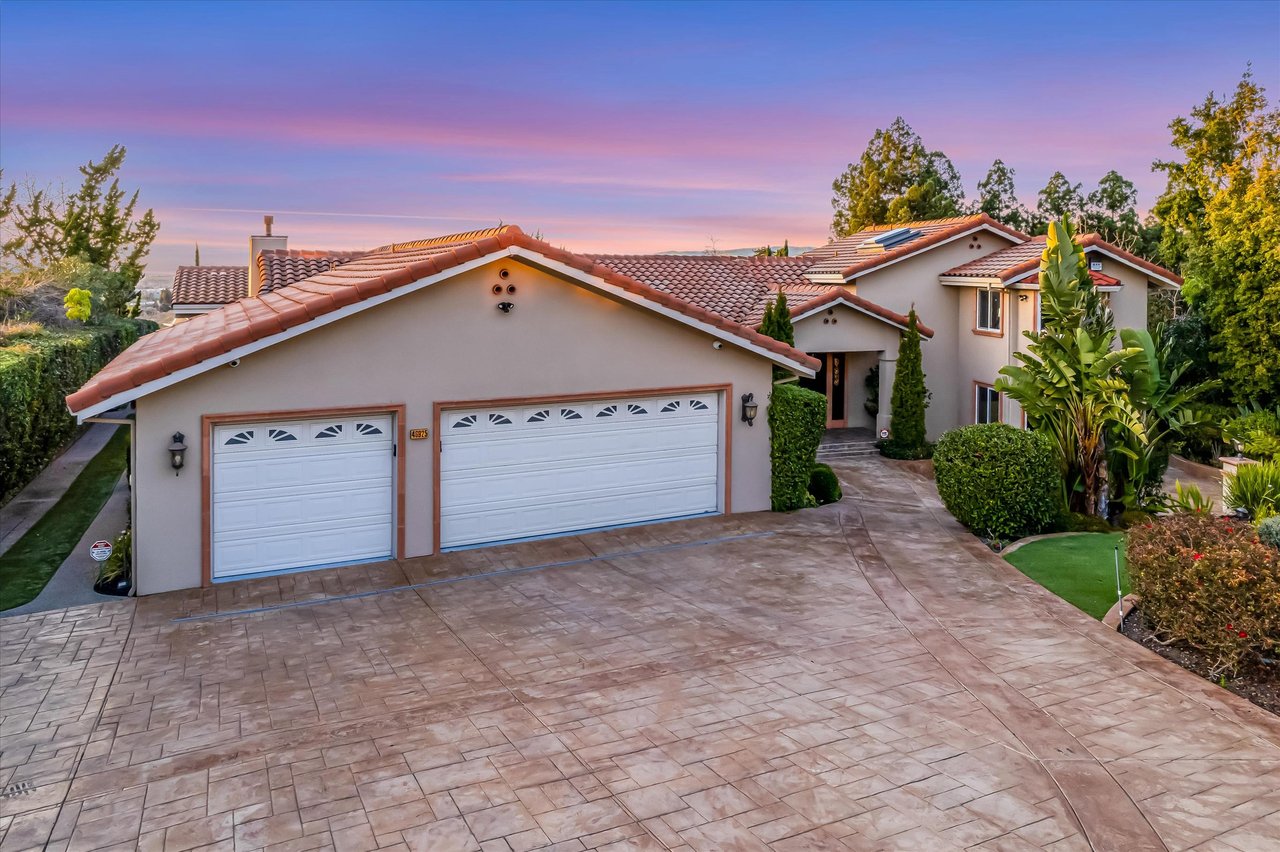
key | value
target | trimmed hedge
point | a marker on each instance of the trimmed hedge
(797, 419)
(999, 481)
(37, 372)
(1210, 583)
(824, 485)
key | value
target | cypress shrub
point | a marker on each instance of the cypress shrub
(999, 481)
(37, 372)
(909, 400)
(797, 419)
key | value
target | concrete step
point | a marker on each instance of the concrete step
(828, 452)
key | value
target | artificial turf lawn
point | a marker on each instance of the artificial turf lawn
(27, 566)
(1080, 569)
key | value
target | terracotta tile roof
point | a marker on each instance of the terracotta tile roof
(282, 267)
(836, 294)
(209, 285)
(733, 287)
(1009, 263)
(848, 256)
(240, 323)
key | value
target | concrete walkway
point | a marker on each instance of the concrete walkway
(72, 584)
(861, 676)
(29, 505)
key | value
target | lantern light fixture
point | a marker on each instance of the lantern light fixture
(749, 408)
(177, 452)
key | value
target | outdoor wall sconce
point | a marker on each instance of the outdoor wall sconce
(749, 409)
(177, 450)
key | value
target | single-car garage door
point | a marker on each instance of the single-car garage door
(301, 494)
(558, 467)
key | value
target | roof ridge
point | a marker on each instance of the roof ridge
(461, 238)
(313, 253)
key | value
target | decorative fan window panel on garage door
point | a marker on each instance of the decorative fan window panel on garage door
(585, 465)
(301, 494)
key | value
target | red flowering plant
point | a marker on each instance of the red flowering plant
(1209, 583)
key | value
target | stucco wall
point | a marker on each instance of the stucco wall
(979, 357)
(915, 282)
(843, 329)
(444, 343)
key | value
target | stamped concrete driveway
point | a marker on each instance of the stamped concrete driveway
(861, 676)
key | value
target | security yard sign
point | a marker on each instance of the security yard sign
(100, 550)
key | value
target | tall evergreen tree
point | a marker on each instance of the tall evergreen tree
(998, 198)
(910, 398)
(1059, 198)
(1111, 211)
(782, 321)
(1221, 216)
(896, 179)
(96, 224)
(785, 251)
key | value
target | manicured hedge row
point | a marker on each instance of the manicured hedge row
(36, 374)
(797, 419)
(999, 481)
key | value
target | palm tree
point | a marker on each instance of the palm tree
(1071, 383)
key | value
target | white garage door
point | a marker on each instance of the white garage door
(519, 472)
(301, 493)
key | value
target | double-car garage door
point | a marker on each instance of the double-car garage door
(310, 493)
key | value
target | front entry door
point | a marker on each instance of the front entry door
(830, 382)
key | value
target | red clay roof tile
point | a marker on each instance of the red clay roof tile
(1009, 263)
(239, 323)
(848, 256)
(209, 285)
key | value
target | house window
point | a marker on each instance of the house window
(988, 311)
(986, 406)
(1039, 312)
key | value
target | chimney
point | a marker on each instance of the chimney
(259, 243)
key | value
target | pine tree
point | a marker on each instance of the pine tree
(997, 197)
(767, 325)
(1059, 198)
(907, 436)
(785, 251)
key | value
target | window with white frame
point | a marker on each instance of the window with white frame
(1039, 312)
(986, 405)
(988, 318)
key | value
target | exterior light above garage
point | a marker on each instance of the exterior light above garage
(749, 408)
(177, 451)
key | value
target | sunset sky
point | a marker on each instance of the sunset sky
(607, 127)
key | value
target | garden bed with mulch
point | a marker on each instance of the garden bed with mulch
(1260, 684)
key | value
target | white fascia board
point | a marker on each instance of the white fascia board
(855, 307)
(193, 310)
(1168, 282)
(258, 345)
(982, 227)
(422, 283)
(825, 277)
(969, 281)
(614, 291)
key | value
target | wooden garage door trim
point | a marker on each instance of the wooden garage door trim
(727, 409)
(209, 421)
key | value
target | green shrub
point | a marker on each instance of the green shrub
(120, 563)
(1257, 431)
(37, 372)
(1269, 531)
(1132, 518)
(1189, 499)
(1211, 584)
(824, 485)
(1255, 488)
(1203, 442)
(1079, 522)
(797, 419)
(999, 481)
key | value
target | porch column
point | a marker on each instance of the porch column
(888, 369)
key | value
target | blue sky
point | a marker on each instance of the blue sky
(608, 127)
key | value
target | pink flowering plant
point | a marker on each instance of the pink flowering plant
(1209, 583)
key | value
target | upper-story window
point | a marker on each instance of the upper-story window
(988, 318)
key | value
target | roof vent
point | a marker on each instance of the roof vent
(885, 241)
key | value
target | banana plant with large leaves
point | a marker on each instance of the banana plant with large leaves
(1165, 408)
(1073, 383)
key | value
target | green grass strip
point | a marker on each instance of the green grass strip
(1080, 569)
(26, 567)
